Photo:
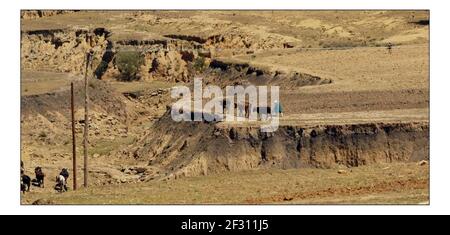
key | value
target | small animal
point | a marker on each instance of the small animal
(25, 183)
(39, 177)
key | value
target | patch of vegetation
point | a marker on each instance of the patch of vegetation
(199, 63)
(104, 147)
(128, 63)
(42, 134)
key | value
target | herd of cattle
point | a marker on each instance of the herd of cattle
(26, 182)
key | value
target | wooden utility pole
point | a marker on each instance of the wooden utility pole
(86, 120)
(74, 148)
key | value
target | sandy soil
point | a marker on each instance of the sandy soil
(365, 84)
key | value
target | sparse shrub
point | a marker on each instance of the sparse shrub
(42, 134)
(91, 84)
(128, 63)
(199, 63)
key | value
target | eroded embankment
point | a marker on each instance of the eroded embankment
(174, 58)
(33, 14)
(63, 50)
(191, 148)
(238, 73)
(46, 119)
(101, 97)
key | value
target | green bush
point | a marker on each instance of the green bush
(128, 63)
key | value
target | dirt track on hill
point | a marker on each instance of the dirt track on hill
(383, 187)
(334, 102)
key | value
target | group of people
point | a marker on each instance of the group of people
(26, 182)
(263, 113)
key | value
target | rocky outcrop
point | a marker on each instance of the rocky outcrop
(174, 58)
(33, 14)
(239, 40)
(165, 65)
(234, 42)
(236, 73)
(62, 50)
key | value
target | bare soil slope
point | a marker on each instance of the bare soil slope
(348, 101)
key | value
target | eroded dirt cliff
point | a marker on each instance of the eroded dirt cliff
(192, 148)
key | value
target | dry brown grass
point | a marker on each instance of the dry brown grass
(359, 69)
(38, 82)
(353, 70)
(397, 183)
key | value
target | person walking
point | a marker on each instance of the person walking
(278, 109)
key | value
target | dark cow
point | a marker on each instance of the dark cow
(25, 180)
(22, 168)
(39, 181)
(25, 183)
(263, 111)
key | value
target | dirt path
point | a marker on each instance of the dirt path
(363, 117)
(383, 187)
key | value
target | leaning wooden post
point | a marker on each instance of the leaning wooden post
(74, 148)
(86, 121)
